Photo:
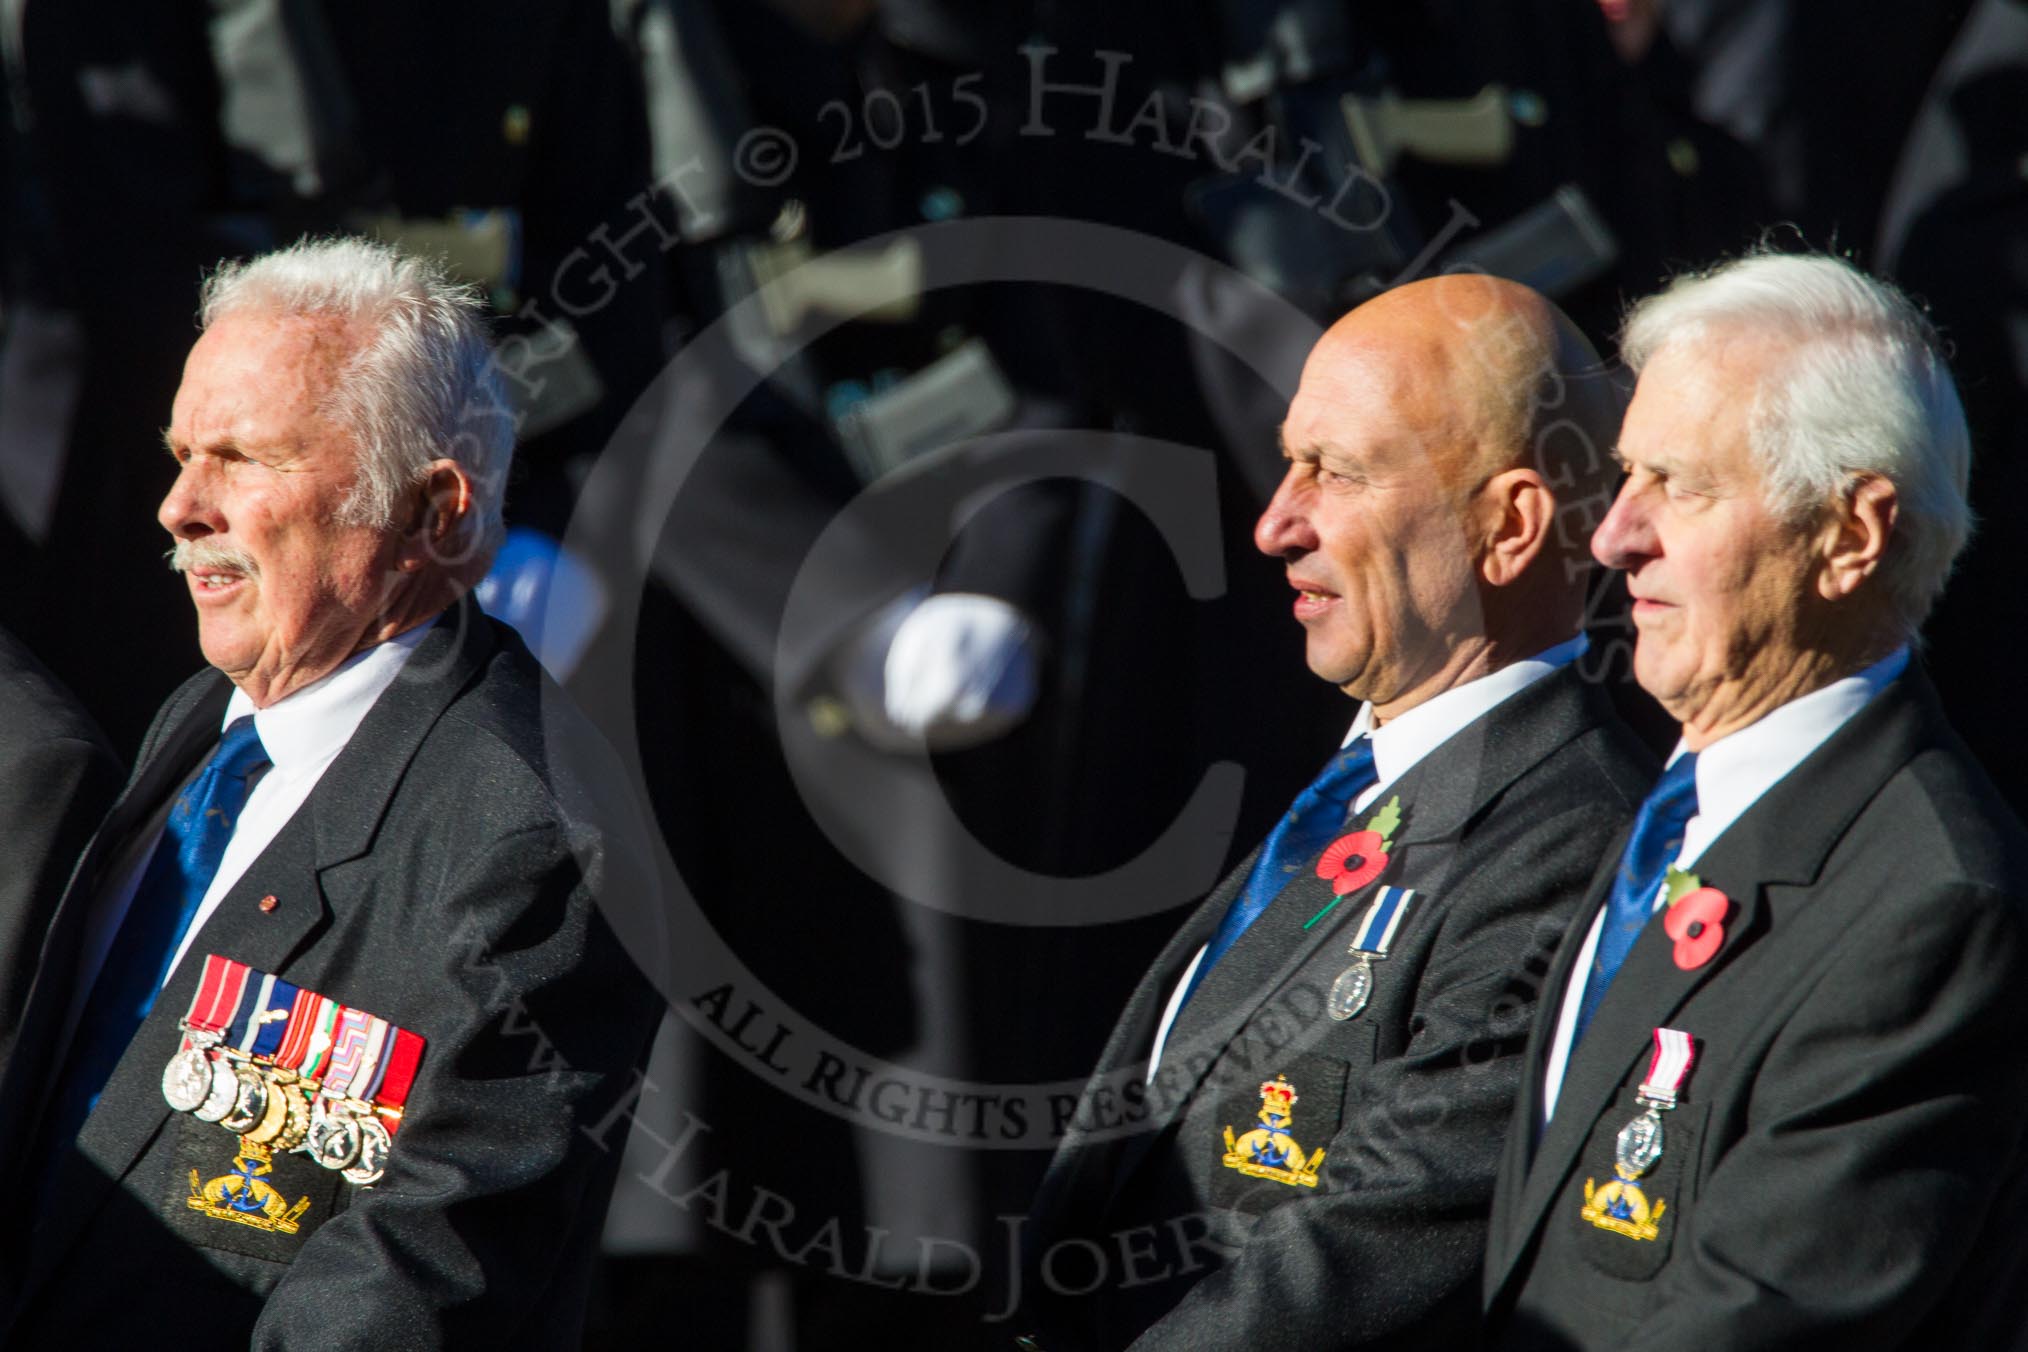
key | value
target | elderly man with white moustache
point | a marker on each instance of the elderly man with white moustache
(327, 1001)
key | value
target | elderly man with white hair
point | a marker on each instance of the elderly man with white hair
(1778, 1096)
(327, 1002)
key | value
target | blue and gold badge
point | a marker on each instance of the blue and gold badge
(1621, 1206)
(244, 1196)
(1268, 1151)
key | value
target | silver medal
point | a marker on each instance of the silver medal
(374, 1143)
(186, 1080)
(250, 1101)
(1639, 1145)
(1350, 991)
(223, 1094)
(334, 1137)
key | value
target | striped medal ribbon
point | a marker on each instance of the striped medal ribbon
(289, 1069)
(1639, 1144)
(1375, 935)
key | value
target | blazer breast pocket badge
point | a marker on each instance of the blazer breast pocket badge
(289, 1073)
(1269, 1151)
(1273, 1134)
(1631, 1205)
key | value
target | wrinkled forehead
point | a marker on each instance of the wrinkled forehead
(1338, 380)
(1383, 397)
(1696, 397)
(259, 376)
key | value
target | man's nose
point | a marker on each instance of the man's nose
(1284, 528)
(188, 512)
(1626, 536)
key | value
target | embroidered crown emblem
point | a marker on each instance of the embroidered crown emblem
(1268, 1151)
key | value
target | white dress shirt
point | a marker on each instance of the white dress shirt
(1732, 775)
(303, 733)
(1399, 745)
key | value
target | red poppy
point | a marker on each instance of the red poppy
(1697, 923)
(1353, 861)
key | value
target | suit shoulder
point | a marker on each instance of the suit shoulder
(37, 711)
(1620, 758)
(514, 748)
(1604, 762)
(1942, 805)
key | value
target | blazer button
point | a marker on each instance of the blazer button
(268, 903)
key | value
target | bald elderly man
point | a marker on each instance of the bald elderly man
(1294, 1130)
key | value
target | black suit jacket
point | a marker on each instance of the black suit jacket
(1846, 1168)
(1501, 827)
(57, 777)
(442, 875)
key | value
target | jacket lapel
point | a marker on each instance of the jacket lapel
(183, 735)
(181, 739)
(1077, 1169)
(1644, 996)
(1440, 796)
(1783, 839)
(334, 826)
(1521, 1144)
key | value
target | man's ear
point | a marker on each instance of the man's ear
(1856, 536)
(440, 529)
(1515, 512)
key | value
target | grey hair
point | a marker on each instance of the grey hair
(422, 386)
(1862, 389)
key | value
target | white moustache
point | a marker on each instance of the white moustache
(189, 554)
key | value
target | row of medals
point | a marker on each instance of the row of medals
(276, 1109)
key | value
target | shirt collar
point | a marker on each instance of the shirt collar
(312, 725)
(1404, 741)
(1734, 771)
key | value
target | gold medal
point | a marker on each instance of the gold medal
(274, 1115)
(292, 1120)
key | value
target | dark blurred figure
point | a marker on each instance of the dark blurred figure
(1089, 768)
(114, 189)
(1822, 95)
(1952, 234)
(57, 778)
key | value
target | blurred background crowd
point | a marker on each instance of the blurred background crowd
(746, 327)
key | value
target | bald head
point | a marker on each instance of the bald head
(1494, 373)
(1440, 438)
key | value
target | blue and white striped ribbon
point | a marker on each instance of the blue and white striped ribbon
(1383, 918)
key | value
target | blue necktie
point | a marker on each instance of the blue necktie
(1315, 819)
(1656, 837)
(179, 873)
